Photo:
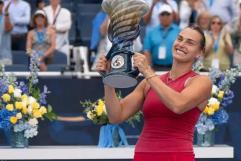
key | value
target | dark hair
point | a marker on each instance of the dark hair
(1, 3)
(33, 23)
(39, 1)
(200, 31)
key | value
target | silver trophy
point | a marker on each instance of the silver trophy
(125, 16)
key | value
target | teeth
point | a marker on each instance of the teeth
(180, 52)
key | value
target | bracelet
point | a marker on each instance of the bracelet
(149, 77)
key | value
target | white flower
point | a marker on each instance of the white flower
(213, 101)
(17, 93)
(33, 122)
(19, 115)
(90, 115)
(31, 132)
(215, 89)
(30, 109)
(31, 100)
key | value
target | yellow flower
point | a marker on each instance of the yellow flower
(13, 119)
(19, 116)
(216, 106)
(35, 105)
(206, 109)
(25, 110)
(9, 107)
(18, 105)
(6, 97)
(210, 111)
(101, 102)
(24, 97)
(37, 114)
(99, 109)
(43, 110)
(220, 94)
(10, 89)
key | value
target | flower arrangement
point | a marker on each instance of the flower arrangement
(96, 111)
(111, 135)
(221, 96)
(23, 104)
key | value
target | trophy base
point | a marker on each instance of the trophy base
(119, 80)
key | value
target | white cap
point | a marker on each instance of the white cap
(40, 12)
(239, 1)
(165, 8)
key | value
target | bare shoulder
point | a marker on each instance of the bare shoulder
(202, 80)
(30, 33)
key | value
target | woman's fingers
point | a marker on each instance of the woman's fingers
(140, 61)
(101, 64)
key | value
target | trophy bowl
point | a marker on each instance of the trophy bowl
(125, 16)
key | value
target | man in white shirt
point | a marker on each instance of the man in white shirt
(20, 15)
(59, 20)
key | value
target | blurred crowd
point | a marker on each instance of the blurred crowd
(45, 31)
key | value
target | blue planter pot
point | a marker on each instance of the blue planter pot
(17, 140)
(207, 139)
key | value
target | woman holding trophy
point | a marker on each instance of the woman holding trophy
(171, 103)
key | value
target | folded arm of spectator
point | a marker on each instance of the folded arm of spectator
(65, 24)
(25, 19)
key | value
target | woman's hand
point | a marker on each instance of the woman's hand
(102, 64)
(140, 61)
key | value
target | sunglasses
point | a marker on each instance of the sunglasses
(216, 22)
(165, 14)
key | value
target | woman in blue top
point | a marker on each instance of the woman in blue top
(41, 40)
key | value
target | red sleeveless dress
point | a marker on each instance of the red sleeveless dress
(166, 136)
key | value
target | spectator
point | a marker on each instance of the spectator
(20, 15)
(223, 8)
(189, 10)
(59, 19)
(219, 46)
(5, 36)
(40, 4)
(152, 16)
(41, 39)
(158, 42)
(234, 28)
(203, 20)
